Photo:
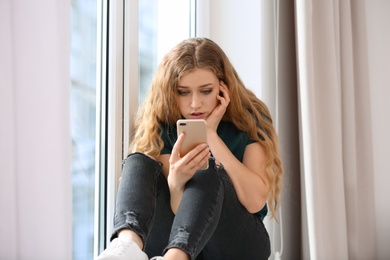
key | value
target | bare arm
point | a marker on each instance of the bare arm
(248, 177)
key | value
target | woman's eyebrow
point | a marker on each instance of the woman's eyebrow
(201, 86)
(205, 85)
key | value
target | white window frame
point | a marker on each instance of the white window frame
(110, 115)
(117, 72)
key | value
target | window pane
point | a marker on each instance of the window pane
(147, 43)
(162, 24)
(83, 119)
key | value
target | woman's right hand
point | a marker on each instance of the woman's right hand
(181, 169)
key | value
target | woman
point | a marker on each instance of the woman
(165, 204)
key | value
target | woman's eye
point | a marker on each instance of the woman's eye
(206, 91)
(183, 93)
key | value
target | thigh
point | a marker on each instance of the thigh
(239, 234)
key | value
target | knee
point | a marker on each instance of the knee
(139, 163)
(140, 158)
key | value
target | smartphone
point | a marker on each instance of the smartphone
(195, 133)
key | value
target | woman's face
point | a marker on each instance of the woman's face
(196, 94)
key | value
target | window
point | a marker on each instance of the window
(143, 32)
(83, 124)
(115, 50)
(162, 24)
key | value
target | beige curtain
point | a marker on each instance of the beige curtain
(35, 144)
(335, 130)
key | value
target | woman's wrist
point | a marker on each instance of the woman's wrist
(176, 191)
(174, 186)
(211, 134)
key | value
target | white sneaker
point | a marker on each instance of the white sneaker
(120, 249)
(157, 258)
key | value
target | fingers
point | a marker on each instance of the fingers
(182, 169)
(190, 162)
(225, 97)
(176, 148)
(197, 157)
(218, 112)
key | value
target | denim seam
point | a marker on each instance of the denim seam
(211, 214)
(157, 173)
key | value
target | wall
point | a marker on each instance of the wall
(235, 26)
(378, 42)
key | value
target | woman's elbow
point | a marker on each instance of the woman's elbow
(255, 206)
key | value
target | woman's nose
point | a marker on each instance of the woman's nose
(195, 101)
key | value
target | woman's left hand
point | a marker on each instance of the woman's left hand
(218, 112)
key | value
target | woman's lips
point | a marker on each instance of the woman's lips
(197, 115)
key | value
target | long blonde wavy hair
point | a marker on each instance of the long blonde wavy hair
(245, 110)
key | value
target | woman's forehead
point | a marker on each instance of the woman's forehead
(198, 77)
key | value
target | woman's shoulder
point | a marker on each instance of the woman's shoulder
(235, 139)
(228, 129)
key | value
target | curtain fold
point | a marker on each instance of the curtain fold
(35, 145)
(335, 138)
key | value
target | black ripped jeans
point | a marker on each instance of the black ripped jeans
(210, 222)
